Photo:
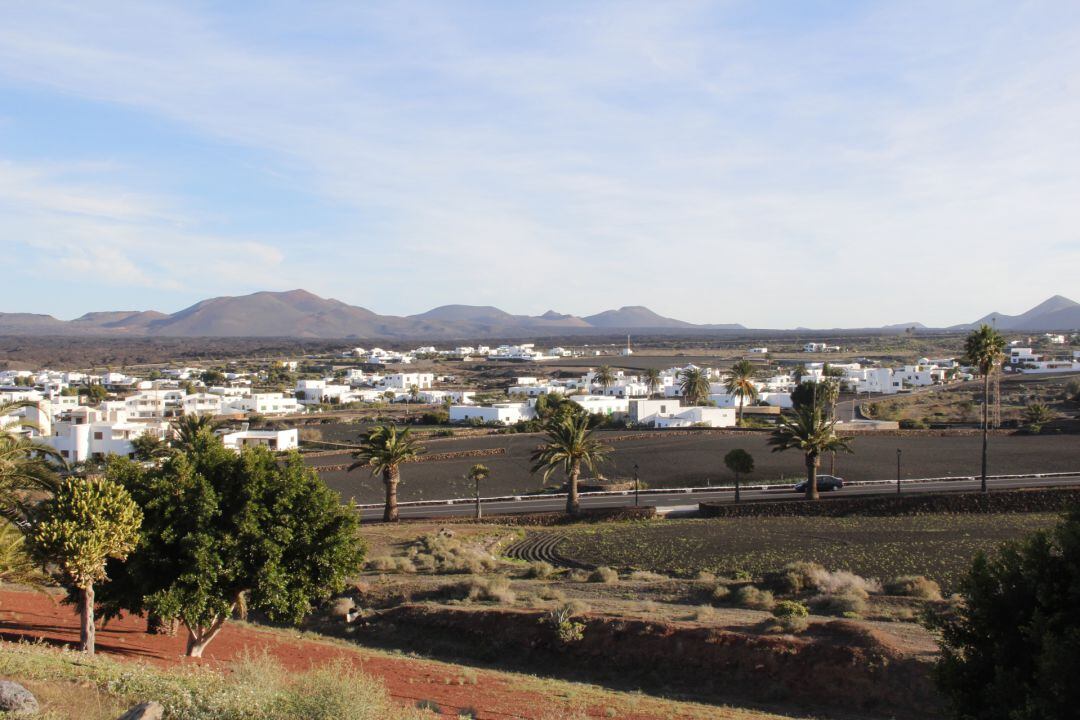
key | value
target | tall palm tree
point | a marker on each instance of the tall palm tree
(810, 430)
(383, 451)
(569, 445)
(740, 383)
(478, 473)
(984, 350)
(194, 433)
(694, 384)
(652, 380)
(605, 376)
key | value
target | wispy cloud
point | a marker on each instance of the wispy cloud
(681, 155)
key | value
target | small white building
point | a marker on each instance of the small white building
(602, 404)
(276, 440)
(499, 413)
(85, 434)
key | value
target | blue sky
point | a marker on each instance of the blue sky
(775, 164)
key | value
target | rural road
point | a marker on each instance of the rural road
(681, 499)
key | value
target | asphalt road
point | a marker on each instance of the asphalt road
(680, 500)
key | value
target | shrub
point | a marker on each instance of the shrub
(604, 575)
(703, 614)
(562, 621)
(799, 577)
(493, 589)
(540, 569)
(721, 592)
(749, 596)
(386, 563)
(791, 616)
(550, 593)
(915, 586)
(442, 552)
(844, 604)
(341, 607)
(646, 576)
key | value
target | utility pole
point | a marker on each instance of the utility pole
(897, 471)
(637, 487)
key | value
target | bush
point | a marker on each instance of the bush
(791, 616)
(603, 575)
(799, 577)
(720, 592)
(385, 563)
(703, 614)
(749, 596)
(443, 552)
(646, 576)
(1010, 649)
(562, 621)
(540, 569)
(915, 586)
(843, 604)
(493, 589)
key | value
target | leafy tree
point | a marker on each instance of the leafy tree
(227, 532)
(651, 378)
(195, 433)
(694, 385)
(1011, 650)
(478, 473)
(809, 430)
(809, 392)
(1036, 415)
(740, 383)
(149, 447)
(551, 405)
(96, 393)
(213, 376)
(740, 462)
(569, 445)
(86, 522)
(383, 451)
(984, 350)
(605, 376)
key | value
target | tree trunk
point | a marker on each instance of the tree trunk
(985, 425)
(737, 498)
(156, 625)
(739, 423)
(201, 635)
(479, 511)
(86, 620)
(811, 476)
(832, 463)
(390, 480)
(573, 503)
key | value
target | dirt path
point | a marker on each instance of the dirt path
(495, 695)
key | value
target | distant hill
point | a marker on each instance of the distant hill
(1055, 313)
(633, 316)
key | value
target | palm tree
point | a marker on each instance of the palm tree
(478, 473)
(570, 444)
(605, 376)
(195, 433)
(809, 429)
(740, 383)
(26, 467)
(16, 565)
(984, 349)
(383, 450)
(694, 384)
(652, 380)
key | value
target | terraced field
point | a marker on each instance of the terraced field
(938, 546)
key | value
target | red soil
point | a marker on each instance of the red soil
(25, 615)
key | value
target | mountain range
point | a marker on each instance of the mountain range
(301, 314)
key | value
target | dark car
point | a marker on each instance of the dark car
(824, 482)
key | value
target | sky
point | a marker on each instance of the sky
(775, 164)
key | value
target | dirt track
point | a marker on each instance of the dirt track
(686, 460)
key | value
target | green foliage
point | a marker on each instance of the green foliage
(739, 461)
(224, 530)
(605, 376)
(25, 465)
(651, 378)
(196, 433)
(86, 522)
(916, 586)
(569, 446)
(385, 448)
(149, 447)
(96, 393)
(1036, 415)
(213, 376)
(694, 385)
(984, 349)
(789, 608)
(16, 564)
(567, 629)
(1011, 650)
(740, 383)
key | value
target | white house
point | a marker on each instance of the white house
(501, 413)
(264, 404)
(405, 381)
(812, 347)
(276, 440)
(201, 404)
(759, 350)
(602, 404)
(85, 434)
(697, 416)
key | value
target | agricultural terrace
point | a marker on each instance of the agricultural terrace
(939, 546)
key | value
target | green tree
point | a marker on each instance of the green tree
(984, 350)
(694, 385)
(1011, 650)
(569, 444)
(477, 474)
(740, 383)
(213, 376)
(740, 462)
(651, 377)
(86, 522)
(605, 376)
(383, 451)
(26, 470)
(96, 393)
(195, 433)
(148, 446)
(809, 430)
(1036, 415)
(227, 533)
(16, 565)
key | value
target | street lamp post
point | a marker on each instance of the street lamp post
(898, 471)
(636, 485)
